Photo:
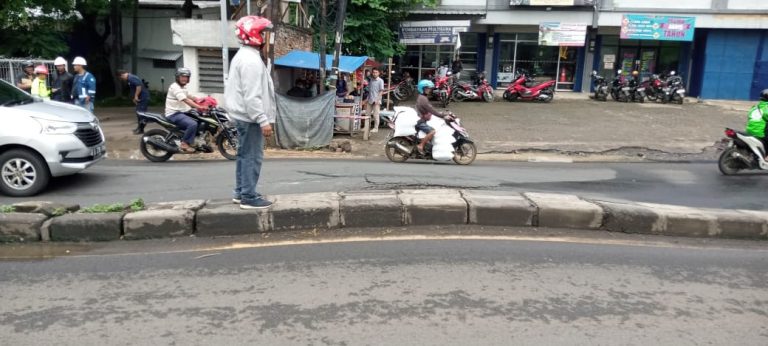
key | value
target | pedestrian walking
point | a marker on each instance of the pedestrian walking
(375, 92)
(24, 80)
(250, 97)
(61, 84)
(83, 85)
(139, 94)
(40, 83)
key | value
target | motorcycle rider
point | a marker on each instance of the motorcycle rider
(425, 112)
(177, 103)
(756, 121)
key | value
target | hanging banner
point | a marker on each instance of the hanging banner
(436, 32)
(662, 28)
(562, 34)
(551, 2)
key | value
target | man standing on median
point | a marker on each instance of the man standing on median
(250, 99)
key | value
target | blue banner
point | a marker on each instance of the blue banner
(662, 28)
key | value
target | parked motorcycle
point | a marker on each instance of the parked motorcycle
(636, 90)
(653, 88)
(601, 87)
(617, 87)
(442, 91)
(158, 145)
(463, 91)
(674, 90)
(517, 90)
(743, 152)
(400, 149)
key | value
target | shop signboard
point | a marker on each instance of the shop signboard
(432, 32)
(662, 28)
(562, 34)
(551, 2)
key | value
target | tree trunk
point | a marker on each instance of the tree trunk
(135, 40)
(116, 44)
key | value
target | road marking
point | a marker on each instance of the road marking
(542, 159)
(253, 245)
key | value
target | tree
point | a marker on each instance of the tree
(370, 27)
(35, 28)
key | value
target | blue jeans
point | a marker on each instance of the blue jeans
(81, 103)
(250, 154)
(187, 124)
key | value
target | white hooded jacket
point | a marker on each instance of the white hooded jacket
(249, 93)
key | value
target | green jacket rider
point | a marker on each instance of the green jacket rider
(758, 116)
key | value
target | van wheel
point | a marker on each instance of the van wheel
(23, 173)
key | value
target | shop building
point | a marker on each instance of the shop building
(720, 47)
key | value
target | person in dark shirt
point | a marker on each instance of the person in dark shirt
(139, 95)
(299, 89)
(425, 111)
(61, 84)
(341, 86)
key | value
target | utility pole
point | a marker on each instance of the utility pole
(224, 41)
(341, 12)
(323, 34)
(135, 38)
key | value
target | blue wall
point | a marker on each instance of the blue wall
(729, 63)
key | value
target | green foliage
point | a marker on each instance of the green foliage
(136, 205)
(35, 27)
(7, 209)
(59, 211)
(370, 27)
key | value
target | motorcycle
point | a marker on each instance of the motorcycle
(442, 91)
(636, 91)
(617, 87)
(743, 152)
(674, 91)
(402, 148)
(158, 145)
(653, 88)
(543, 92)
(601, 87)
(462, 91)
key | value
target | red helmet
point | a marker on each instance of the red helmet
(249, 29)
(41, 69)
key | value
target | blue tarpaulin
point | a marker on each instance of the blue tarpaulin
(311, 61)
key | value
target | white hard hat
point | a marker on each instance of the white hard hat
(59, 61)
(79, 61)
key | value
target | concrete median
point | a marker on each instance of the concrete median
(390, 208)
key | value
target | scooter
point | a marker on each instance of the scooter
(653, 88)
(617, 87)
(442, 91)
(402, 148)
(462, 91)
(743, 152)
(543, 92)
(636, 91)
(674, 91)
(601, 87)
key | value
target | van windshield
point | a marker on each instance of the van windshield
(12, 96)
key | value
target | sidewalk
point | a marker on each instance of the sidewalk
(571, 126)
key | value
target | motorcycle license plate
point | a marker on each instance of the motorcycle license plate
(681, 91)
(97, 151)
(625, 88)
(640, 89)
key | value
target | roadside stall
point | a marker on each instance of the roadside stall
(347, 112)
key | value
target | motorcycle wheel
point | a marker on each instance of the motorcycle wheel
(455, 96)
(604, 97)
(664, 99)
(445, 100)
(392, 153)
(465, 153)
(728, 164)
(551, 97)
(511, 97)
(487, 96)
(151, 152)
(678, 99)
(641, 99)
(227, 148)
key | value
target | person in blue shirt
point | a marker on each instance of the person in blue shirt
(139, 95)
(83, 85)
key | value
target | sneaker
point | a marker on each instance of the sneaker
(258, 203)
(236, 200)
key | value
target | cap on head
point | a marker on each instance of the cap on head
(27, 64)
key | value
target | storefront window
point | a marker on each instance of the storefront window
(522, 51)
(646, 56)
(468, 55)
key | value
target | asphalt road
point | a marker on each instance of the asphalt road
(485, 291)
(696, 184)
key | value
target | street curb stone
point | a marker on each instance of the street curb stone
(434, 207)
(499, 208)
(160, 220)
(224, 218)
(305, 211)
(86, 227)
(20, 227)
(565, 211)
(371, 209)
(630, 218)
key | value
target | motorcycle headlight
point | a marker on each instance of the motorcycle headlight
(52, 127)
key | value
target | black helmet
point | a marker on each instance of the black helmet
(764, 95)
(183, 71)
(26, 64)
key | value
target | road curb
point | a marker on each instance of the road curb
(387, 208)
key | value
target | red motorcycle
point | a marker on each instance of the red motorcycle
(442, 91)
(463, 91)
(517, 90)
(654, 88)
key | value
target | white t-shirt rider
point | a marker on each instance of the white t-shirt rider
(174, 101)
